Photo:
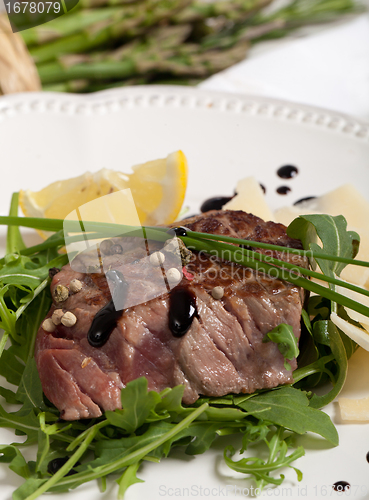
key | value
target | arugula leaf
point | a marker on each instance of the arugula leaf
(329, 331)
(43, 451)
(27, 488)
(204, 434)
(332, 231)
(108, 451)
(259, 468)
(137, 404)
(128, 478)
(24, 271)
(289, 407)
(9, 396)
(14, 240)
(151, 424)
(309, 353)
(171, 400)
(10, 367)
(336, 240)
(24, 424)
(7, 316)
(10, 454)
(287, 342)
(30, 390)
(254, 432)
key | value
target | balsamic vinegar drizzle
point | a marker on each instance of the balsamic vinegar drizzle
(307, 198)
(103, 324)
(287, 172)
(57, 463)
(283, 190)
(106, 319)
(247, 247)
(215, 203)
(182, 311)
(178, 231)
(341, 486)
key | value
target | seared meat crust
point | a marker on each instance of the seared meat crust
(222, 352)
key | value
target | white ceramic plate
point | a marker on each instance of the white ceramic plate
(44, 137)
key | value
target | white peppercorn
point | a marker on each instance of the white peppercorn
(68, 319)
(157, 258)
(173, 275)
(75, 286)
(105, 246)
(48, 325)
(116, 249)
(217, 292)
(61, 293)
(57, 316)
(179, 249)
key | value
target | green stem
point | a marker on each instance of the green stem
(116, 229)
(14, 240)
(37, 292)
(268, 246)
(39, 248)
(67, 466)
(3, 342)
(210, 244)
(5, 314)
(116, 465)
(273, 450)
(276, 272)
(72, 226)
(313, 368)
(287, 265)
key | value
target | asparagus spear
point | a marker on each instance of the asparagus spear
(73, 86)
(212, 18)
(77, 20)
(230, 10)
(301, 12)
(96, 86)
(296, 14)
(87, 4)
(116, 64)
(160, 56)
(144, 15)
(162, 53)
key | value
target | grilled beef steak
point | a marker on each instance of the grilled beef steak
(219, 351)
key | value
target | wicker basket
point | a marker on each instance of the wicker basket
(17, 70)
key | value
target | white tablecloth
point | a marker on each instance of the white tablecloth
(329, 69)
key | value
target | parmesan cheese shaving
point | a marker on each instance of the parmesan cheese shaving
(354, 409)
(250, 198)
(346, 200)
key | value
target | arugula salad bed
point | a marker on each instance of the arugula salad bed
(150, 423)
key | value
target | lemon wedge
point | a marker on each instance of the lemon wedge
(158, 188)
